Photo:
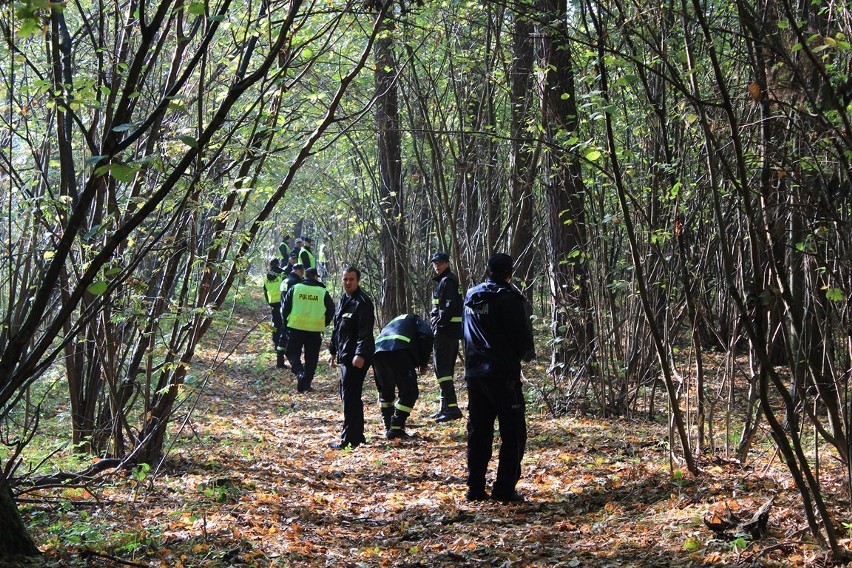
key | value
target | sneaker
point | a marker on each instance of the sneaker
(397, 434)
(513, 497)
(480, 495)
(450, 413)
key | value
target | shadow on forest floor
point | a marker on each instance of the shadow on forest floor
(250, 481)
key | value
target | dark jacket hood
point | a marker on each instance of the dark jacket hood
(486, 291)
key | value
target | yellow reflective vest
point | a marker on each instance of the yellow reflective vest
(272, 287)
(308, 309)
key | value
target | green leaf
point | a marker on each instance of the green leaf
(95, 160)
(835, 295)
(122, 127)
(92, 232)
(691, 544)
(29, 27)
(97, 288)
(593, 155)
(628, 79)
(739, 543)
(122, 172)
(196, 8)
(189, 141)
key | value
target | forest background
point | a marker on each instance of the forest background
(672, 179)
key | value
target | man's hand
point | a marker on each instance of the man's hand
(358, 361)
(332, 361)
(424, 368)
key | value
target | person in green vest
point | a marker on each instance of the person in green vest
(297, 249)
(284, 247)
(403, 346)
(272, 291)
(296, 275)
(307, 309)
(305, 256)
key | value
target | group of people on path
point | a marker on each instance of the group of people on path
(297, 266)
(493, 319)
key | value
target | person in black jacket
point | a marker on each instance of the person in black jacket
(402, 346)
(446, 320)
(497, 336)
(352, 348)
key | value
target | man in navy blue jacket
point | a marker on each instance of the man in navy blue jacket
(497, 336)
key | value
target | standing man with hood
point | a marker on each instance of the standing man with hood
(446, 320)
(497, 336)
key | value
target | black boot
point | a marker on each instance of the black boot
(397, 428)
(449, 403)
(452, 412)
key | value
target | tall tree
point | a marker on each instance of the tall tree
(396, 297)
(564, 194)
(524, 146)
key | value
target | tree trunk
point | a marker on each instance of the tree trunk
(565, 194)
(395, 296)
(15, 540)
(522, 155)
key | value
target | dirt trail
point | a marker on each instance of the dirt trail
(251, 481)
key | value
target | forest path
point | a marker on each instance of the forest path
(250, 480)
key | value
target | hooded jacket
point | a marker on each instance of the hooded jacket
(408, 332)
(497, 332)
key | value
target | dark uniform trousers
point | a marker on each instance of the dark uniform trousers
(445, 352)
(395, 370)
(277, 323)
(311, 341)
(490, 399)
(351, 389)
(279, 333)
